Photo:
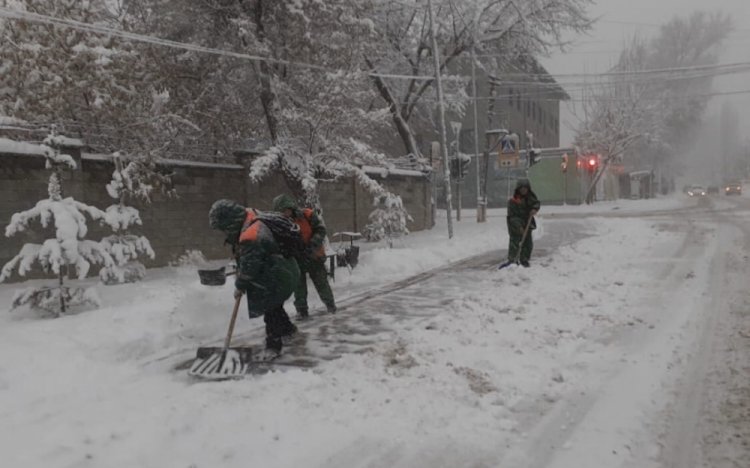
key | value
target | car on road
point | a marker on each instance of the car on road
(733, 187)
(697, 191)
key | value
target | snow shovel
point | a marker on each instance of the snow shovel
(518, 254)
(215, 363)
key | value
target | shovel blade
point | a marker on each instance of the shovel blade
(217, 363)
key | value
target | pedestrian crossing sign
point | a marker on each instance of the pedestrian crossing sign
(508, 147)
(508, 162)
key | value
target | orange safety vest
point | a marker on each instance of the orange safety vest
(305, 229)
(249, 228)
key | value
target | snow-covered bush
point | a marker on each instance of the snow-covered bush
(190, 258)
(131, 181)
(388, 220)
(68, 250)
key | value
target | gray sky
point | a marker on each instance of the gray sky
(599, 50)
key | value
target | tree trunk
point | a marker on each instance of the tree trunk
(63, 307)
(401, 124)
(592, 188)
(270, 102)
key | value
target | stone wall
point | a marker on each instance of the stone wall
(175, 225)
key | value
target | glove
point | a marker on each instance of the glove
(238, 293)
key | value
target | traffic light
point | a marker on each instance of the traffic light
(460, 167)
(465, 166)
(592, 163)
(454, 168)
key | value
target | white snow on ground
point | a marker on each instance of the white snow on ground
(671, 202)
(453, 383)
(422, 251)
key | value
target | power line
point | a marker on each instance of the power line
(652, 25)
(98, 29)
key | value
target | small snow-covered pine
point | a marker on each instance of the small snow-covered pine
(67, 251)
(388, 220)
(130, 181)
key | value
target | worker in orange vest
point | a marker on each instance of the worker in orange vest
(312, 262)
(265, 272)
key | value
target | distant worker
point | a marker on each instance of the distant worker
(312, 262)
(521, 211)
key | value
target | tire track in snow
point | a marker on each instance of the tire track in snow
(695, 430)
(580, 430)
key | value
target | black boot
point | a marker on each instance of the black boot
(274, 344)
(525, 263)
(289, 330)
(302, 313)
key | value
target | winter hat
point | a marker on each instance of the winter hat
(227, 216)
(284, 202)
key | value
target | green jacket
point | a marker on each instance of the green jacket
(264, 273)
(266, 276)
(520, 207)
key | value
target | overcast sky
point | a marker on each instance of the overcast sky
(599, 50)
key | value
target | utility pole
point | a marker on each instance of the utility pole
(441, 110)
(456, 127)
(481, 204)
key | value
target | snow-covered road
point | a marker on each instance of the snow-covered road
(625, 345)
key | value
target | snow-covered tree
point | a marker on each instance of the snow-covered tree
(501, 30)
(67, 252)
(313, 94)
(650, 106)
(388, 220)
(132, 181)
(106, 90)
(319, 119)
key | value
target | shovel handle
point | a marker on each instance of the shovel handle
(228, 339)
(523, 238)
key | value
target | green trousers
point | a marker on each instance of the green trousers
(515, 232)
(316, 270)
